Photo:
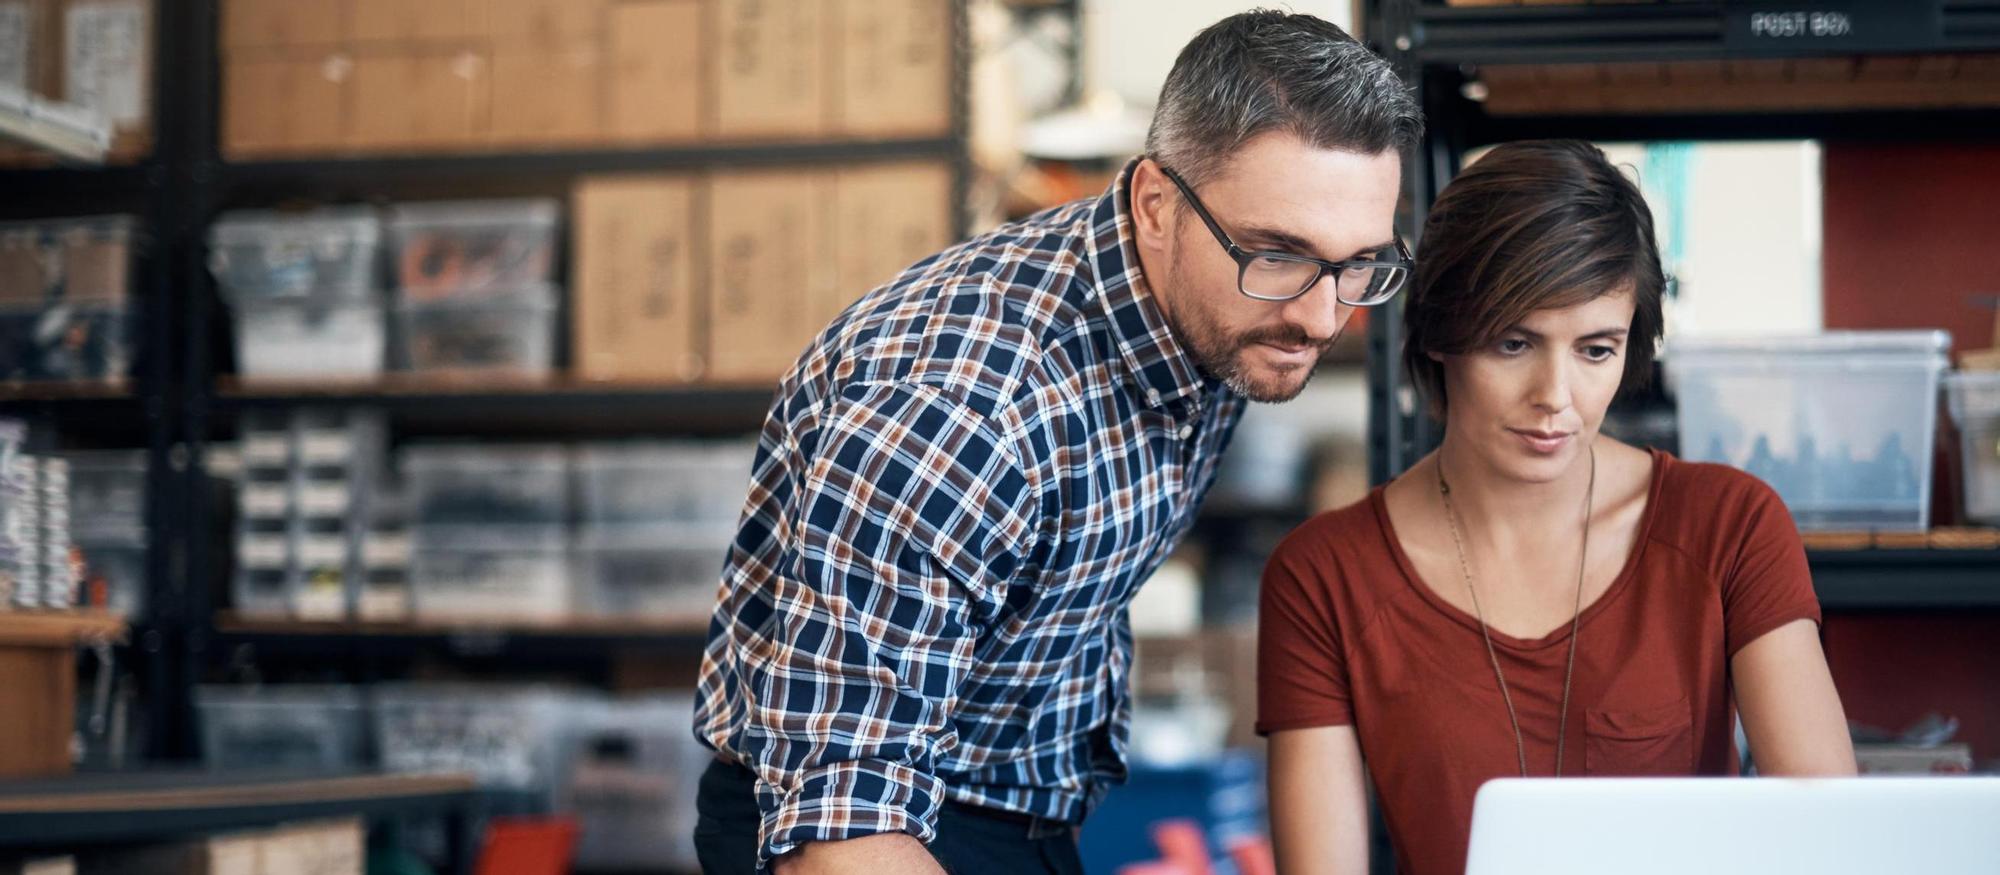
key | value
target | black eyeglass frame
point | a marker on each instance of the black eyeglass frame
(1243, 257)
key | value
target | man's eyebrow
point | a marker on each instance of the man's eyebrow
(1298, 244)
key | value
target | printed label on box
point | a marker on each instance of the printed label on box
(106, 59)
(16, 46)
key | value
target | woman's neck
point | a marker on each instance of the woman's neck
(1502, 510)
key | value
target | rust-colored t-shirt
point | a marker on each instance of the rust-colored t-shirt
(1349, 635)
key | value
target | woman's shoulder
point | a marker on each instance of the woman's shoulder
(1344, 544)
(1711, 486)
(1709, 509)
(1342, 527)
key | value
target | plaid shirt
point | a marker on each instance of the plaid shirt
(959, 489)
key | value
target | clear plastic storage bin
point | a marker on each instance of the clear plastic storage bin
(114, 574)
(84, 259)
(307, 727)
(310, 338)
(107, 492)
(512, 333)
(486, 485)
(74, 340)
(510, 738)
(1975, 407)
(1840, 424)
(455, 249)
(664, 483)
(326, 254)
(654, 574)
(491, 574)
(633, 765)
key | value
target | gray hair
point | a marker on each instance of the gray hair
(1265, 70)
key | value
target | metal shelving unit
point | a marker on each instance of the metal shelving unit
(55, 815)
(177, 401)
(1438, 49)
(577, 638)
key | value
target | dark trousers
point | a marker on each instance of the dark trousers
(969, 841)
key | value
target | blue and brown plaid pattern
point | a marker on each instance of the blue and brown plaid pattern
(960, 487)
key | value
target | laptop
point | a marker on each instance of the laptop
(1727, 826)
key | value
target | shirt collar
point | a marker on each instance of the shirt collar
(1158, 363)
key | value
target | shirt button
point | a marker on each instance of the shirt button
(1153, 396)
(1186, 430)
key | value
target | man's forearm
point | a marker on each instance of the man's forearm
(886, 854)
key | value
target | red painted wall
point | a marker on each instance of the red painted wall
(1911, 232)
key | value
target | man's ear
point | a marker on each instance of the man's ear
(1153, 203)
(1436, 357)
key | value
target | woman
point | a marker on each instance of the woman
(1533, 598)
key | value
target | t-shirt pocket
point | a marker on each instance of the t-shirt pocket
(1647, 741)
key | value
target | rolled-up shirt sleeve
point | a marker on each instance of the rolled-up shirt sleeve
(911, 518)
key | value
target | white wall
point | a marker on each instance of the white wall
(1752, 219)
(1132, 43)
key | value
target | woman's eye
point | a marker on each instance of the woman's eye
(1600, 353)
(1513, 346)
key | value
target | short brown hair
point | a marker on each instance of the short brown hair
(1533, 225)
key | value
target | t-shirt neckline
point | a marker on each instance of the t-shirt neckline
(1377, 498)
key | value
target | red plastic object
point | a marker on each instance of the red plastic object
(528, 846)
(1182, 843)
(1253, 856)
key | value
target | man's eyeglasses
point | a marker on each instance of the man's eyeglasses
(1366, 280)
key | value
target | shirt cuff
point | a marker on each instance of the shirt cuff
(847, 800)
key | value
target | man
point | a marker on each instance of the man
(919, 661)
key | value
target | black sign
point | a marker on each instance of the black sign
(1817, 27)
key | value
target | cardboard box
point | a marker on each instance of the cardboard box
(28, 33)
(434, 99)
(335, 847)
(885, 218)
(635, 291)
(268, 24)
(655, 71)
(221, 855)
(556, 22)
(769, 68)
(547, 95)
(108, 63)
(767, 239)
(402, 22)
(895, 59)
(284, 102)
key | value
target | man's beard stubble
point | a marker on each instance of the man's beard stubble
(1219, 355)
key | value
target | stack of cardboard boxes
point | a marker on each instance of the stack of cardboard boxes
(94, 53)
(725, 278)
(371, 76)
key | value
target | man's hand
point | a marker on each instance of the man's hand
(887, 854)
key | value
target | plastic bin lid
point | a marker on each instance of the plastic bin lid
(113, 225)
(1973, 379)
(663, 536)
(482, 457)
(85, 305)
(533, 297)
(430, 539)
(1831, 343)
(359, 223)
(528, 211)
(342, 695)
